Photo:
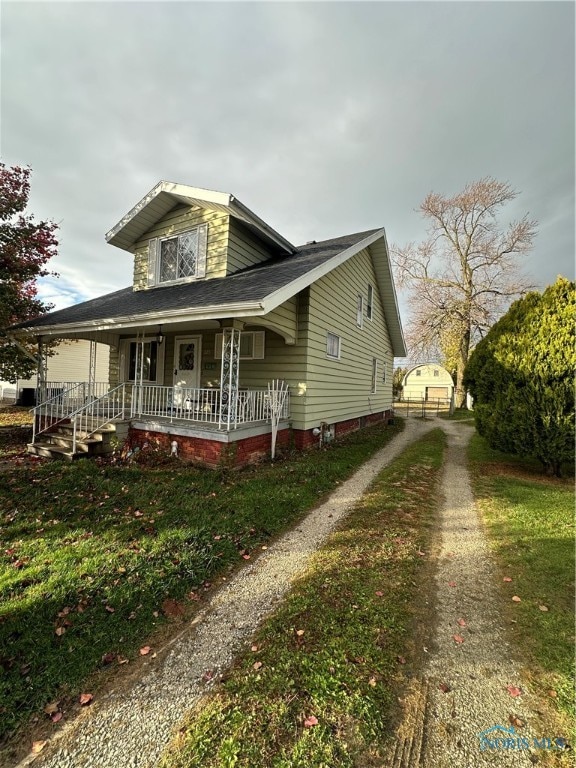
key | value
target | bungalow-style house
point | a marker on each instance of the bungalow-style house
(222, 306)
(427, 381)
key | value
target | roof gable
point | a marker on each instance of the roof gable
(166, 194)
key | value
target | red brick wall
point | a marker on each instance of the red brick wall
(213, 453)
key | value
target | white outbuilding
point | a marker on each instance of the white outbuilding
(427, 381)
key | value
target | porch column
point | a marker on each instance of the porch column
(229, 375)
(41, 373)
(92, 371)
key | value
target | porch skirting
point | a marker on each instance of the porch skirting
(236, 448)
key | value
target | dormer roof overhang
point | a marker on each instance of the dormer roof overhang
(167, 194)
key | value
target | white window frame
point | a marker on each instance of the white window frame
(125, 359)
(374, 376)
(155, 257)
(258, 345)
(370, 302)
(338, 341)
(360, 311)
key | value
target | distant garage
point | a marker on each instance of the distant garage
(427, 381)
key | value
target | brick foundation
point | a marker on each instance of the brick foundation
(239, 453)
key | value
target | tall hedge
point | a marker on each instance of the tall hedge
(522, 378)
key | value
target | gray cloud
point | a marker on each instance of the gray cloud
(323, 118)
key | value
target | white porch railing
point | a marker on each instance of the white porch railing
(87, 412)
(83, 391)
(201, 405)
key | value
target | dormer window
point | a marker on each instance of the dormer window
(178, 258)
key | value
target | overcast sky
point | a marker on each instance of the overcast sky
(323, 118)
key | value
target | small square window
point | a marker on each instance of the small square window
(333, 345)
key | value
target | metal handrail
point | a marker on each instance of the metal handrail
(93, 409)
(50, 412)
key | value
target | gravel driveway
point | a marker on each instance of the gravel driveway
(131, 727)
(463, 689)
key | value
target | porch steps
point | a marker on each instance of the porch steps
(57, 444)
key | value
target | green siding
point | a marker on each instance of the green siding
(337, 390)
(244, 249)
(180, 219)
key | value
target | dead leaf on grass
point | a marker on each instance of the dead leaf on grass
(145, 650)
(543, 608)
(400, 659)
(257, 665)
(60, 631)
(516, 599)
(513, 690)
(451, 583)
(461, 622)
(310, 721)
(85, 698)
(444, 687)
(458, 638)
(38, 746)
(172, 608)
(51, 708)
(507, 578)
(56, 717)
(516, 721)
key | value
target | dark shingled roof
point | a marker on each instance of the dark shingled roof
(251, 284)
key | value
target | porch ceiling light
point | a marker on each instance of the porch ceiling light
(160, 337)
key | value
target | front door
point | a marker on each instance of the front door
(186, 367)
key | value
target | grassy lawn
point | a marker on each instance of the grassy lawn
(530, 523)
(319, 686)
(91, 551)
(460, 414)
(15, 416)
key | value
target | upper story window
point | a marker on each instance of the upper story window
(360, 311)
(370, 302)
(178, 258)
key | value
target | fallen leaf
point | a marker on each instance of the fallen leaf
(299, 632)
(458, 638)
(444, 687)
(514, 720)
(208, 675)
(461, 622)
(451, 583)
(516, 599)
(420, 553)
(257, 665)
(38, 746)
(543, 607)
(108, 658)
(172, 608)
(506, 578)
(56, 717)
(400, 659)
(552, 694)
(109, 608)
(254, 648)
(122, 660)
(513, 690)
(145, 650)
(60, 631)
(379, 593)
(51, 708)
(86, 698)
(310, 721)
(372, 682)
(246, 557)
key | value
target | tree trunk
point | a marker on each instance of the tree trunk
(463, 352)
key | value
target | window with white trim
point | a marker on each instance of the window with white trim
(360, 311)
(251, 345)
(179, 258)
(369, 302)
(147, 355)
(384, 373)
(332, 346)
(374, 375)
